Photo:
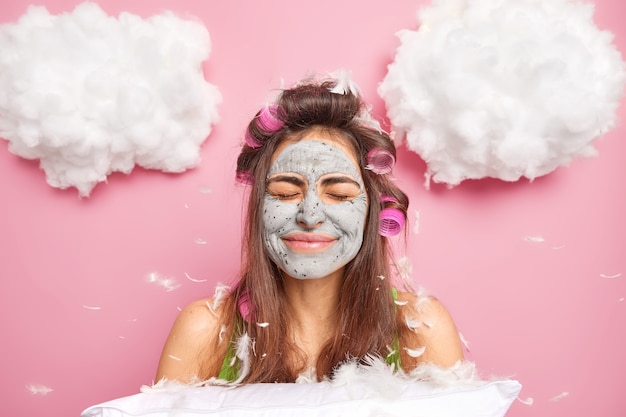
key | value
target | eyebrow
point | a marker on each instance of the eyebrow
(291, 179)
(339, 179)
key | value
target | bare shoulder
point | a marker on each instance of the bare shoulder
(197, 317)
(433, 336)
(193, 338)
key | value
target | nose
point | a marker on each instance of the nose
(311, 211)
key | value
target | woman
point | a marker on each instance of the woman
(314, 288)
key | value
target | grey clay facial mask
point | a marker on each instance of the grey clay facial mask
(314, 209)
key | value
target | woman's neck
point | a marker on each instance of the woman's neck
(312, 305)
(313, 300)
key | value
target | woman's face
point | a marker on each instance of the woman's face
(315, 207)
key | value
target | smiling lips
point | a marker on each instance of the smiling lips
(308, 242)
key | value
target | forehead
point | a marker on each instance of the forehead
(314, 156)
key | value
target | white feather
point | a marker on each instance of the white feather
(422, 302)
(412, 324)
(221, 291)
(559, 397)
(193, 279)
(415, 353)
(378, 374)
(464, 341)
(39, 389)
(169, 284)
(243, 354)
(344, 84)
(527, 401)
(220, 336)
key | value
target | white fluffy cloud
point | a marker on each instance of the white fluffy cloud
(89, 94)
(504, 89)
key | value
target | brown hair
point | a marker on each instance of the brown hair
(366, 318)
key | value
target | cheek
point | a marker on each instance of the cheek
(350, 217)
(277, 214)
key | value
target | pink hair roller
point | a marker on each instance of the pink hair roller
(390, 221)
(388, 199)
(380, 161)
(243, 303)
(251, 141)
(244, 177)
(268, 119)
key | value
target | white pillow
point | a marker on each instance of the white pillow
(323, 399)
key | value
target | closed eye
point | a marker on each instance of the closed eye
(286, 187)
(339, 188)
(338, 197)
(285, 196)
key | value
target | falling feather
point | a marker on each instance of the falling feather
(415, 353)
(193, 279)
(421, 303)
(344, 84)
(411, 323)
(243, 354)
(39, 389)
(527, 401)
(404, 268)
(169, 284)
(464, 341)
(220, 336)
(210, 307)
(221, 291)
(559, 397)
(416, 222)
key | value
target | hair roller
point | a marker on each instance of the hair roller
(243, 304)
(251, 141)
(388, 199)
(268, 120)
(244, 177)
(380, 161)
(390, 221)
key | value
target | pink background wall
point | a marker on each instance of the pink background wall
(540, 312)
